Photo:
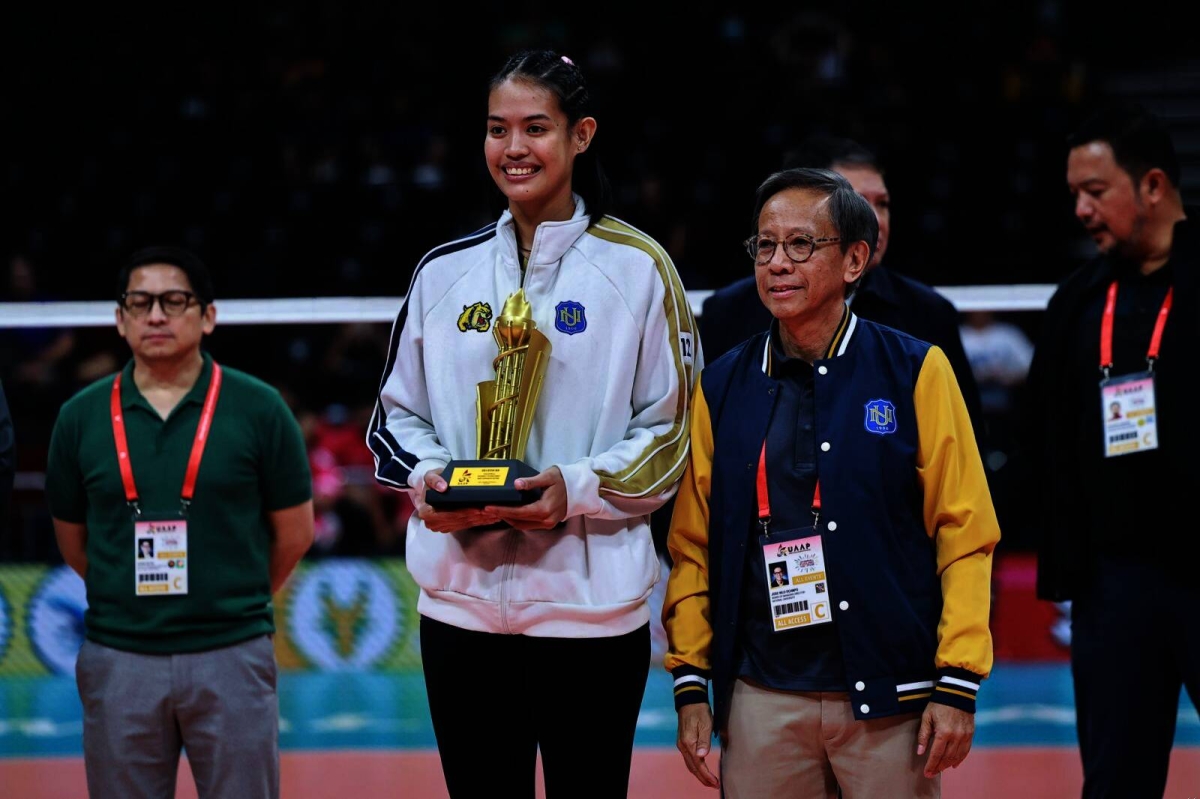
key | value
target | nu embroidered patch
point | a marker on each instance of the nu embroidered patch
(881, 417)
(569, 317)
(477, 316)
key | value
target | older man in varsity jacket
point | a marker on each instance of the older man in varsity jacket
(842, 448)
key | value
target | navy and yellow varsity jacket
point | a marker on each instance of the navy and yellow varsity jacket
(907, 522)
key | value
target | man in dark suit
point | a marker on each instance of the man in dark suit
(734, 313)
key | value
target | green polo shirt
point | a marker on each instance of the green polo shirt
(254, 462)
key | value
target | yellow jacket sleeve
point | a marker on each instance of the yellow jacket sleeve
(959, 517)
(686, 614)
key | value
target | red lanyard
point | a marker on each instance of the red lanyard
(1106, 330)
(764, 502)
(193, 467)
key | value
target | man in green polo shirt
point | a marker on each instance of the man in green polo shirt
(207, 464)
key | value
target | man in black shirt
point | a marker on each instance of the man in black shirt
(1109, 492)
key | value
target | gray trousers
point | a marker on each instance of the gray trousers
(140, 710)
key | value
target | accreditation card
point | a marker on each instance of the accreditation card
(160, 558)
(797, 585)
(1130, 420)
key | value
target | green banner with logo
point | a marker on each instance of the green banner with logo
(332, 615)
(337, 614)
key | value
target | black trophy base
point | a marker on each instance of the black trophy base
(477, 483)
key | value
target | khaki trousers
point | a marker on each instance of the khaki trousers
(799, 745)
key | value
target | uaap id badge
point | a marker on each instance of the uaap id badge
(1127, 408)
(797, 584)
(160, 559)
(160, 543)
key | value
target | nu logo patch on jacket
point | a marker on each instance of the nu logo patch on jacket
(477, 316)
(569, 317)
(881, 417)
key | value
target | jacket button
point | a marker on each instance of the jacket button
(860, 686)
(844, 605)
(865, 708)
(833, 525)
(771, 391)
(824, 446)
(821, 370)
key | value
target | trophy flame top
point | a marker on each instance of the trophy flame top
(505, 406)
(515, 324)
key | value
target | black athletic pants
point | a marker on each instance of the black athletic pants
(496, 699)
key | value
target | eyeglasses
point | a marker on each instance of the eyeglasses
(797, 248)
(173, 303)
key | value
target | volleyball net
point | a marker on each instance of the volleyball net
(335, 310)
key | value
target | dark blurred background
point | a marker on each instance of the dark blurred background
(320, 150)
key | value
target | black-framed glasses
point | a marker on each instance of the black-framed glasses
(173, 303)
(797, 248)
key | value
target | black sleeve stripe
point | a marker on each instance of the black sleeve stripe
(378, 416)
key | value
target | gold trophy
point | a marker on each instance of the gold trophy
(504, 410)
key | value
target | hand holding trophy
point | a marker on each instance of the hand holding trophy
(504, 410)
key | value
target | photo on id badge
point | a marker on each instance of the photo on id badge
(779, 575)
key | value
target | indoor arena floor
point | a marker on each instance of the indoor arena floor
(369, 734)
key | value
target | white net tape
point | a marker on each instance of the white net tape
(324, 310)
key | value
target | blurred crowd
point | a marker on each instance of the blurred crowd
(322, 152)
